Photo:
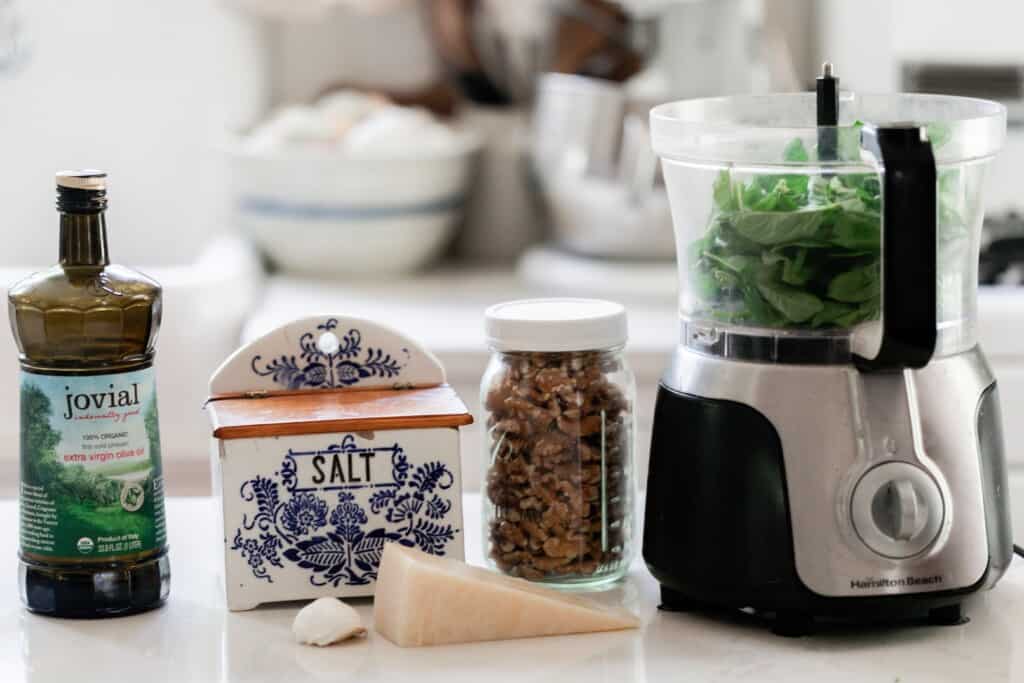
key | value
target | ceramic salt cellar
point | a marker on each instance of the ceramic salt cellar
(332, 436)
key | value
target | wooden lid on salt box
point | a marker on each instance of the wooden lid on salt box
(331, 374)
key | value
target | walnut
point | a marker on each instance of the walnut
(560, 446)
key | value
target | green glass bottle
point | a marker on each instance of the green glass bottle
(93, 534)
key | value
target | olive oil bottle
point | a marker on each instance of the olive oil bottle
(93, 535)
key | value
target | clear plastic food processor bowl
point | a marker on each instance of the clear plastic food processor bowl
(775, 243)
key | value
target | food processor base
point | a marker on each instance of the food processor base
(796, 623)
(818, 616)
(718, 534)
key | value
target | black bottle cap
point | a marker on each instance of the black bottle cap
(81, 191)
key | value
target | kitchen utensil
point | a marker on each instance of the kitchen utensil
(594, 38)
(598, 217)
(598, 176)
(827, 440)
(513, 41)
(577, 125)
(502, 209)
(451, 23)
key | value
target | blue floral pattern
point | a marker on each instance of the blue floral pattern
(326, 361)
(257, 551)
(304, 513)
(333, 541)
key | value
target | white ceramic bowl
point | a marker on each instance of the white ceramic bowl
(332, 214)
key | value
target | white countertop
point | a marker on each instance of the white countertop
(195, 638)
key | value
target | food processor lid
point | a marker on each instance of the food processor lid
(556, 325)
(754, 129)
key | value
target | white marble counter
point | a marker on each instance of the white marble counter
(194, 638)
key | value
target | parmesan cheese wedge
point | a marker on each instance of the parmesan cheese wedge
(421, 599)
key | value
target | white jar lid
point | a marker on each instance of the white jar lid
(556, 325)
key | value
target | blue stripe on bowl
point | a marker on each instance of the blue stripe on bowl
(263, 206)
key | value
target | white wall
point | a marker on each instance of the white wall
(986, 31)
(392, 50)
(858, 38)
(140, 88)
(869, 39)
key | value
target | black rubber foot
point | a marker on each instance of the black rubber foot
(951, 615)
(673, 601)
(792, 624)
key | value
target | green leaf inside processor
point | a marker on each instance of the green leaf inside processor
(791, 250)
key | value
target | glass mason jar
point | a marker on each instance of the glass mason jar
(559, 477)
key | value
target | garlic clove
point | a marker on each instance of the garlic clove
(326, 621)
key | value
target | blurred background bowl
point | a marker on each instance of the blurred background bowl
(319, 212)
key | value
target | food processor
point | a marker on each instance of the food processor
(827, 440)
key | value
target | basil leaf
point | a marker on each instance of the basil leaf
(819, 190)
(758, 311)
(858, 230)
(949, 183)
(752, 194)
(939, 133)
(856, 285)
(840, 190)
(705, 283)
(738, 263)
(868, 310)
(831, 313)
(766, 203)
(795, 151)
(727, 239)
(797, 250)
(725, 198)
(848, 143)
(795, 269)
(778, 228)
(796, 305)
(810, 244)
(724, 279)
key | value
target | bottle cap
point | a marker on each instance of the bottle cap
(84, 179)
(553, 325)
(82, 191)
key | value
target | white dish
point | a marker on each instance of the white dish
(325, 212)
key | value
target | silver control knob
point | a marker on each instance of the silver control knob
(897, 509)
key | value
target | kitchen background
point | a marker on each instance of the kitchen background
(252, 179)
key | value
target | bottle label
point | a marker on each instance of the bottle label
(91, 480)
